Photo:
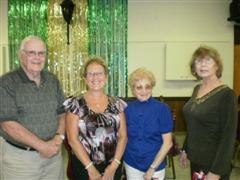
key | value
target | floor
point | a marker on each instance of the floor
(182, 174)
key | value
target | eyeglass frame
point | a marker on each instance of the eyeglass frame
(207, 61)
(97, 74)
(146, 87)
(31, 53)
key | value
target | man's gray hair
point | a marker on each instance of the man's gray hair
(28, 38)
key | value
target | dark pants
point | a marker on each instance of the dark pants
(197, 168)
(80, 173)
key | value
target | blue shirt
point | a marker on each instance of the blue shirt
(146, 122)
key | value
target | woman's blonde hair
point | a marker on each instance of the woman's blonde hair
(139, 74)
(202, 52)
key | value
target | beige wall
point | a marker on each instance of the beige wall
(152, 24)
(155, 23)
(4, 65)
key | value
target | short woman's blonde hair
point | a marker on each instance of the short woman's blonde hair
(139, 74)
(97, 60)
(202, 52)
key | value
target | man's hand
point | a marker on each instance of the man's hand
(51, 148)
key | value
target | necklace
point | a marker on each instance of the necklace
(98, 103)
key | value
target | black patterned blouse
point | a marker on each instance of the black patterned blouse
(98, 131)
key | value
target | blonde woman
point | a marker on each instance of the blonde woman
(95, 126)
(149, 127)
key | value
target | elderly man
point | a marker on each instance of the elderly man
(31, 118)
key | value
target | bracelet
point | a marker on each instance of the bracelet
(62, 136)
(182, 151)
(153, 167)
(117, 161)
(89, 165)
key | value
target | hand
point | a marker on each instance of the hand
(93, 173)
(57, 140)
(48, 149)
(183, 159)
(148, 175)
(110, 171)
(211, 176)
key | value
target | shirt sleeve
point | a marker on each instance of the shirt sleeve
(121, 105)
(228, 124)
(60, 98)
(72, 105)
(166, 119)
(8, 108)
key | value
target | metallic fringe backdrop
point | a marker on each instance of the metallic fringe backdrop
(66, 61)
(25, 18)
(97, 28)
(108, 38)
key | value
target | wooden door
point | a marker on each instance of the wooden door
(236, 83)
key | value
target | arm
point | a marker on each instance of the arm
(72, 131)
(57, 140)
(183, 160)
(167, 144)
(61, 126)
(122, 141)
(61, 114)
(228, 124)
(24, 136)
(60, 133)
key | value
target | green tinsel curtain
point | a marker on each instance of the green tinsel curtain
(107, 23)
(107, 34)
(25, 17)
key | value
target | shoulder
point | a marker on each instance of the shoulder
(52, 80)
(132, 103)
(75, 104)
(10, 79)
(50, 76)
(117, 103)
(227, 92)
(159, 104)
(71, 100)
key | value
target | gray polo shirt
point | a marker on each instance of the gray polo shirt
(35, 108)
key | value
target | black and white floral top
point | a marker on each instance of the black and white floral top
(98, 131)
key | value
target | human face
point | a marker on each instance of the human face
(33, 56)
(205, 67)
(143, 89)
(95, 77)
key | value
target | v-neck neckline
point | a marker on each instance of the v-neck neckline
(209, 94)
(95, 112)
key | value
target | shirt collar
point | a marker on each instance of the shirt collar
(25, 78)
(146, 101)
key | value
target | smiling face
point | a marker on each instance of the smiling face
(206, 67)
(95, 77)
(142, 89)
(33, 56)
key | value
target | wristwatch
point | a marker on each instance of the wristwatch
(62, 136)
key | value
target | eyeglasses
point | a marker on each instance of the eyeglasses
(147, 87)
(35, 53)
(92, 74)
(207, 61)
